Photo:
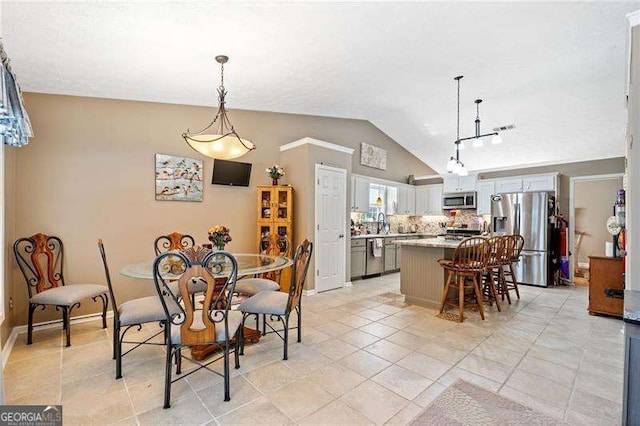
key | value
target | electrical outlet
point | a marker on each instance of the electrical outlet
(10, 303)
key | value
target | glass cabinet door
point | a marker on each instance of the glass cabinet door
(266, 204)
(283, 204)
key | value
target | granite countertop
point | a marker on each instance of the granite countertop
(429, 242)
(631, 306)
(390, 235)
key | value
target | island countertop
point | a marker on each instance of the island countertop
(429, 242)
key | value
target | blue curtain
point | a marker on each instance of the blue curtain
(15, 127)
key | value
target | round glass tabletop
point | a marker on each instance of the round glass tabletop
(248, 264)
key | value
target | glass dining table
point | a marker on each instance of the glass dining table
(248, 264)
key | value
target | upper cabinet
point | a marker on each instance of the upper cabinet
(539, 183)
(429, 200)
(485, 190)
(455, 183)
(391, 202)
(406, 200)
(359, 194)
(509, 185)
(536, 183)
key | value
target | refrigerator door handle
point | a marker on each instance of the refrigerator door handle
(514, 225)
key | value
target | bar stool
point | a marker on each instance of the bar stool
(498, 251)
(515, 243)
(469, 261)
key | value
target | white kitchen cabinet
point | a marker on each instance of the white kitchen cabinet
(359, 194)
(406, 200)
(428, 200)
(391, 201)
(508, 185)
(434, 205)
(455, 183)
(484, 191)
(539, 183)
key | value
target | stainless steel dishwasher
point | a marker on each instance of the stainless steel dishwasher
(375, 265)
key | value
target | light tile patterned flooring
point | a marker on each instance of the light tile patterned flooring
(364, 359)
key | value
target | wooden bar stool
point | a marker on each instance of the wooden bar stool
(515, 243)
(497, 253)
(469, 261)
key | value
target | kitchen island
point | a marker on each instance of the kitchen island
(422, 279)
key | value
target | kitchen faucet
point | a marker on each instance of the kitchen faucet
(381, 222)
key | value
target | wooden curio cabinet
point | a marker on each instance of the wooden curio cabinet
(275, 224)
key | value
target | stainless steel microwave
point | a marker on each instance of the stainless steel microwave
(459, 200)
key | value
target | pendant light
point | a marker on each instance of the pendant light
(379, 199)
(454, 165)
(219, 139)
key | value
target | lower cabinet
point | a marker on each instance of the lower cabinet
(389, 257)
(358, 258)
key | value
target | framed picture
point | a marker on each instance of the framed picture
(372, 156)
(178, 178)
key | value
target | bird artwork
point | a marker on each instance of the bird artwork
(178, 178)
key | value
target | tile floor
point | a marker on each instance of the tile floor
(365, 358)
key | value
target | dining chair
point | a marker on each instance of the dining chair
(212, 323)
(278, 304)
(493, 278)
(470, 259)
(515, 244)
(172, 242)
(41, 258)
(268, 281)
(132, 314)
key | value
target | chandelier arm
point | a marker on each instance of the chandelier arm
(478, 136)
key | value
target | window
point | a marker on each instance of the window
(376, 191)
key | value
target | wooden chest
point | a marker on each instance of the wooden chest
(605, 273)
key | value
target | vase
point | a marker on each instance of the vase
(274, 181)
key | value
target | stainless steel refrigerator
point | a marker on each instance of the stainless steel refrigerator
(526, 214)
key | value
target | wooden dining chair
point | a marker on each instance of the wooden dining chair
(278, 304)
(212, 323)
(515, 244)
(173, 241)
(132, 314)
(268, 281)
(492, 274)
(40, 258)
(469, 260)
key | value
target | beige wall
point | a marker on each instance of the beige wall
(88, 174)
(9, 232)
(593, 203)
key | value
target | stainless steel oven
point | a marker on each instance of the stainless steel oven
(459, 200)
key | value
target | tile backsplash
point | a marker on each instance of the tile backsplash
(426, 224)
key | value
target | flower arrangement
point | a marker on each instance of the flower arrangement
(219, 236)
(275, 172)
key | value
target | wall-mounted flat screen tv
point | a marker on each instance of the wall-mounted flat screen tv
(232, 173)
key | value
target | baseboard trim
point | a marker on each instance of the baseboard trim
(309, 292)
(348, 284)
(21, 329)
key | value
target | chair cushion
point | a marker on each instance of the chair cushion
(198, 287)
(253, 286)
(68, 294)
(234, 320)
(145, 309)
(266, 302)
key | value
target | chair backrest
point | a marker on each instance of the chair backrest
(472, 254)
(517, 244)
(40, 258)
(498, 250)
(107, 275)
(218, 270)
(299, 273)
(274, 245)
(173, 241)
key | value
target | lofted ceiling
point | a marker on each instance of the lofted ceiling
(555, 70)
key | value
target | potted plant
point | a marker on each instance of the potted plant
(219, 236)
(275, 172)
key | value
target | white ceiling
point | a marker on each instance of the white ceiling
(556, 71)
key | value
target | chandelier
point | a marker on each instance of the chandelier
(454, 165)
(219, 139)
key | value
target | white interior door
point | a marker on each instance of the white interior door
(331, 227)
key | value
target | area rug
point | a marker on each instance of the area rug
(465, 404)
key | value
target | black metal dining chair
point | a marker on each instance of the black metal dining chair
(212, 323)
(278, 304)
(41, 258)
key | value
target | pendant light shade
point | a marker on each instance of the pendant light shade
(496, 140)
(219, 139)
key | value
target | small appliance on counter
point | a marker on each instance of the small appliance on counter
(413, 228)
(402, 229)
